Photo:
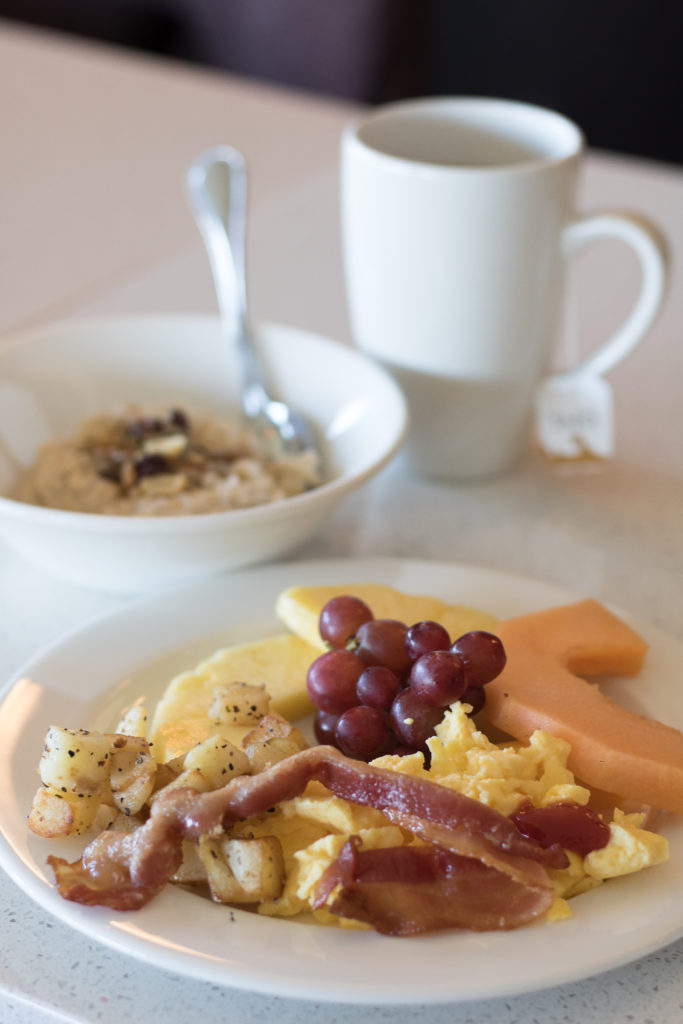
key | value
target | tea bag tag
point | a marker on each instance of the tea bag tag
(575, 416)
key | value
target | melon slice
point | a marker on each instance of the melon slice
(300, 607)
(280, 663)
(612, 748)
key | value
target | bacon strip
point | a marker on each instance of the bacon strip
(108, 874)
(408, 890)
(124, 872)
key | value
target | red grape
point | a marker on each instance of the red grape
(324, 725)
(424, 637)
(475, 696)
(377, 686)
(383, 687)
(438, 678)
(382, 642)
(341, 618)
(331, 681)
(363, 733)
(412, 721)
(483, 654)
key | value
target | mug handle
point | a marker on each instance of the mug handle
(647, 243)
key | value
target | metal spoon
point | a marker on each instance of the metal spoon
(216, 189)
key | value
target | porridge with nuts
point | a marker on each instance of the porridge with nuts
(159, 464)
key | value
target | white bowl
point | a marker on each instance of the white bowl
(53, 378)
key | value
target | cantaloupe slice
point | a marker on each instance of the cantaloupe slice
(612, 748)
(279, 662)
(300, 607)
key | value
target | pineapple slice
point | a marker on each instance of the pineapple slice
(300, 607)
(183, 715)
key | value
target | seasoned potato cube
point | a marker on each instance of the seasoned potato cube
(132, 771)
(75, 760)
(177, 764)
(239, 703)
(165, 774)
(105, 817)
(134, 722)
(243, 870)
(218, 760)
(192, 870)
(272, 740)
(193, 778)
(122, 822)
(54, 814)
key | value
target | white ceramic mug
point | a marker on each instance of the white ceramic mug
(457, 218)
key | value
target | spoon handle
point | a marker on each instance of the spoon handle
(216, 188)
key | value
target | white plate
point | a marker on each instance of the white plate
(85, 679)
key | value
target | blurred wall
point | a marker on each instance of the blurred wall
(612, 65)
(348, 48)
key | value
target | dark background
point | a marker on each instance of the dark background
(612, 65)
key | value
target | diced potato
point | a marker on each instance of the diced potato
(192, 870)
(134, 722)
(54, 814)
(218, 760)
(268, 752)
(272, 740)
(239, 703)
(75, 760)
(166, 773)
(193, 778)
(243, 870)
(132, 774)
(122, 822)
(106, 816)
(173, 739)
(83, 770)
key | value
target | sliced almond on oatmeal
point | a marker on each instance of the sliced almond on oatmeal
(171, 446)
(164, 485)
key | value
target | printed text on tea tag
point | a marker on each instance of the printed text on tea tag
(575, 416)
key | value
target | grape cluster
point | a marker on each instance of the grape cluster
(382, 686)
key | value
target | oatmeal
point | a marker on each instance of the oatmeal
(159, 464)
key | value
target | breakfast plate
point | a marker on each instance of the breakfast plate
(85, 680)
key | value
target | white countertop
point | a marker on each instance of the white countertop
(95, 147)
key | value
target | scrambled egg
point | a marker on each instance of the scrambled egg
(314, 827)
(312, 830)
